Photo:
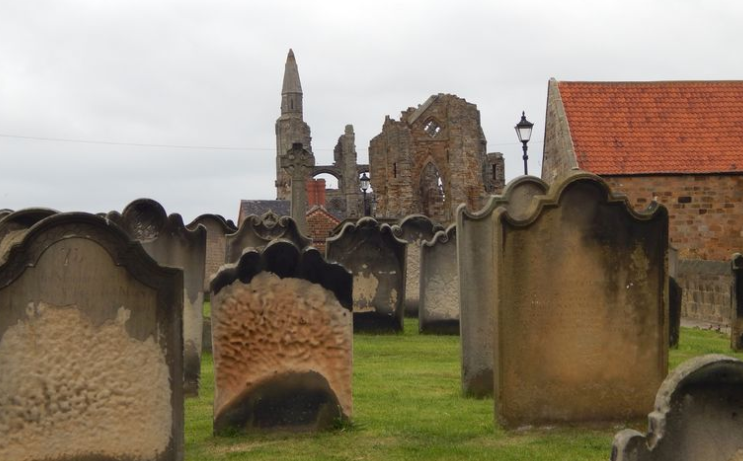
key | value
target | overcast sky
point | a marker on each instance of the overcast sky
(208, 74)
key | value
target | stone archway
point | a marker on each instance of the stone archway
(432, 193)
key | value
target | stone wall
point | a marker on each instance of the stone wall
(558, 157)
(707, 291)
(705, 211)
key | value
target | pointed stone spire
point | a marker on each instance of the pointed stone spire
(291, 76)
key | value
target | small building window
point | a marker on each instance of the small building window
(685, 199)
(432, 128)
(394, 170)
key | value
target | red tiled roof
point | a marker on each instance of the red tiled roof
(656, 127)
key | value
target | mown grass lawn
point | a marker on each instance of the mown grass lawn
(408, 406)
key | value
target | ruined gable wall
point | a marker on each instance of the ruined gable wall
(558, 156)
(390, 170)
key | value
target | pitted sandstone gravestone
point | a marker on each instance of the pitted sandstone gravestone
(376, 258)
(475, 259)
(90, 347)
(414, 229)
(167, 240)
(282, 341)
(736, 322)
(217, 227)
(697, 416)
(258, 231)
(439, 285)
(581, 310)
(14, 225)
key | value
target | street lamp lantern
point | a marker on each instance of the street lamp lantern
(523, 131)
(364, 182)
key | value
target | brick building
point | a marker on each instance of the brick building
(680, 143)
(433, 159)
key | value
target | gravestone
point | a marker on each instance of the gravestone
(170, 243)
(414, 229)
(282, 339)
(5, 212)
(376, 258)
(475, 259)
(14, 225)
(90, 347)
(675, 295)
(697, 416)
(581, 312)
(258, 231)
(217, 227)
(299, 162)
(736, 322)
(439, 285)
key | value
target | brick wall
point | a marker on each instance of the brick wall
(319, 225)
(707, 290)
(705, 212)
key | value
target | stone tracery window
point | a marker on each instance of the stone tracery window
(432, 128)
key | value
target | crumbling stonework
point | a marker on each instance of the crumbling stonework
(216, 229)
(432, 160)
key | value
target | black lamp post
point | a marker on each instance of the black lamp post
(364, 181)
(523, 130)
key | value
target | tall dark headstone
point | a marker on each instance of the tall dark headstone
(90, 346)
(475, 259)
(581, 312)
(736, 322)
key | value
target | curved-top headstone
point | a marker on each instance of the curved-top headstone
(475, 259)
(217, 227)
(5, 212)
(14, 225)
(438, 311)
(581, 312)
(697, 416)
(258, 231)
(90, 346)
(414, 229)
(376, 258)
(170, 243)
(282, 339)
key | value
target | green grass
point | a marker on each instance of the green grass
(408, 406)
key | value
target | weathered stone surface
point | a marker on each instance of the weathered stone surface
(217, 227)
(167, 240)
(736, 324)
(376, 258)
(707, 291)
(581, 314)
(14, 225)
(433, 159)
(697, 416)
(439, 286)
(476, 256)
(282, 339)
(299, 163)
(90, 347)
(414, 229)
(258, 231)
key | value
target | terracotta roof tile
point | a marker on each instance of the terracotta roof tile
(656, 127)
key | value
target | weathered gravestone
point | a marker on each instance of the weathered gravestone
(438, 311)
(376, 258)
(14, 225)
(697, 416)
(282, 341)
(414, 229)
(5, 212)
(167, 240)
(90, 347)
(217, 227)
(258, 231)
(475, 258)
(736, 322)
(675, 295)
(581, 312)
